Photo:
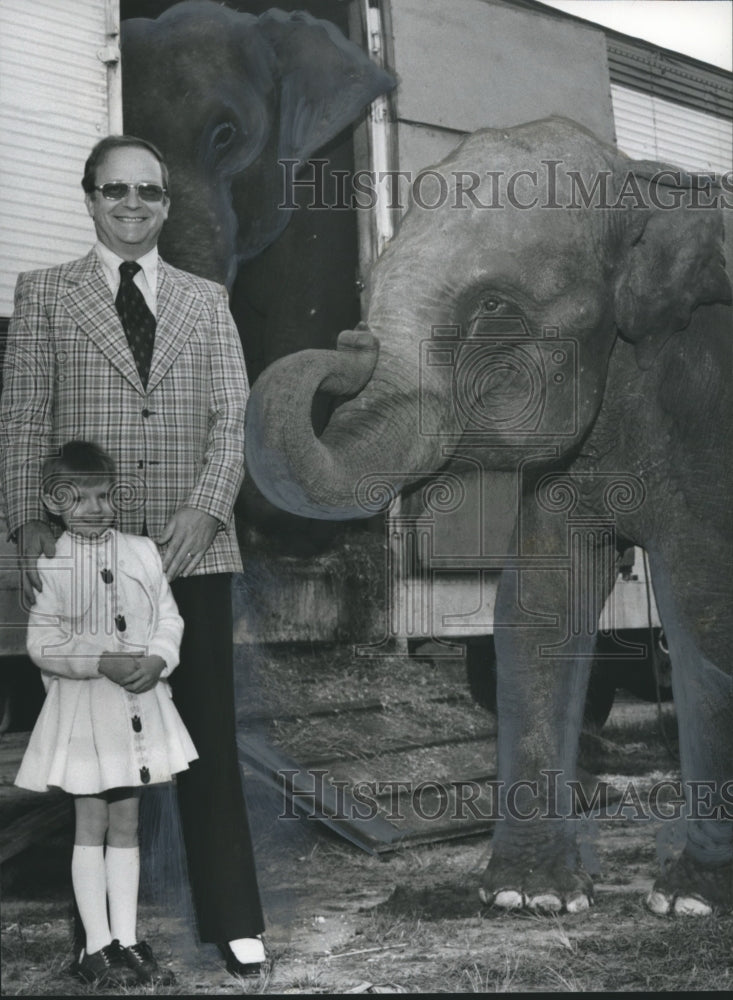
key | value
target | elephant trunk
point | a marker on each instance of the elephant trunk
(374, 442)
(370, 445)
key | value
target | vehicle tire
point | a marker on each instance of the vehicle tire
(647, 677)
(481, 670)
(599, 697)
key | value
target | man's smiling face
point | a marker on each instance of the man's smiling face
(129, 227)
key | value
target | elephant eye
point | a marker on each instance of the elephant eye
(223, 135)
(490, 305)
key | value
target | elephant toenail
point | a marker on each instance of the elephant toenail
(509, 899)
(547, 902)
(658, 902)
(576, 904)
(689, 906)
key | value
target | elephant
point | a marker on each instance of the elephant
(227, 96)
(558, 310)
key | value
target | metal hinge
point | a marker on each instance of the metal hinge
(109, 55)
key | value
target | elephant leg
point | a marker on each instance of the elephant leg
(542, 677)
(701, 879)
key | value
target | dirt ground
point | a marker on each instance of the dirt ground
(340, 920)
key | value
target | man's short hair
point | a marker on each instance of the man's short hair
(82, 461)
(110, 142)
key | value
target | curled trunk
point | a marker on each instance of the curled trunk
(369, 447)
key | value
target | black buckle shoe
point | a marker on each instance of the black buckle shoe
(140, 959)
(104, 967)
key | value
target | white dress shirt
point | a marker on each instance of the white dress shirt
(146, 278)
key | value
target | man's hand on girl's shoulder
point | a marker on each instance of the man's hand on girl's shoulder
(34, 539)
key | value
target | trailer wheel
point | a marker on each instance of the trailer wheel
(649, 676)
(481, 670)
(599, 697)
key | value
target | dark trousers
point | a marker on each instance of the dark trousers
(211, 802)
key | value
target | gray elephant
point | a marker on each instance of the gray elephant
(554, 308)
(226, 96)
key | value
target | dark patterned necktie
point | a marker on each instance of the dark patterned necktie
(137, 319)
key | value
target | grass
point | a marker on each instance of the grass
(618, 947)
(479, 979)
(653, 957)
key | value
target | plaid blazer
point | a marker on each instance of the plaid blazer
(69, 373)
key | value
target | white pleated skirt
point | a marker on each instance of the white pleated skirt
(92, 736)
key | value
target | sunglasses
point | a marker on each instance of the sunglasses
(117, 190)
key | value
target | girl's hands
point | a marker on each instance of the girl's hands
(146, 674)
(131, 671)
(118, 667)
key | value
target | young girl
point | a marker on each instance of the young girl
(106, 633)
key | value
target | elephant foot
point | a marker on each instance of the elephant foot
(536, 883)
(690, 889)
(540, 902)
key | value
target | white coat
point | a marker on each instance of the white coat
(103, 595)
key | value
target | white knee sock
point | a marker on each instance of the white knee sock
(89, 880)
(123, 877)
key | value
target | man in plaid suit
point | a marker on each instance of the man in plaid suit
(176, 432)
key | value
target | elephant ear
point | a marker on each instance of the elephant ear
(326, 80)
(671, 258)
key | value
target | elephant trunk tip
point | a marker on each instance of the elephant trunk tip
(359, 339)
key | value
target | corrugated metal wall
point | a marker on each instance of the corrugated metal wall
(471, 63)
(54, 105)
(650, 127)
(676, 78)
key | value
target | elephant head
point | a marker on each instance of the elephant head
(226, 96)
(491, 316)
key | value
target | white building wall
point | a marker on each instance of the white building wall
(650, 127)
(58, 96)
